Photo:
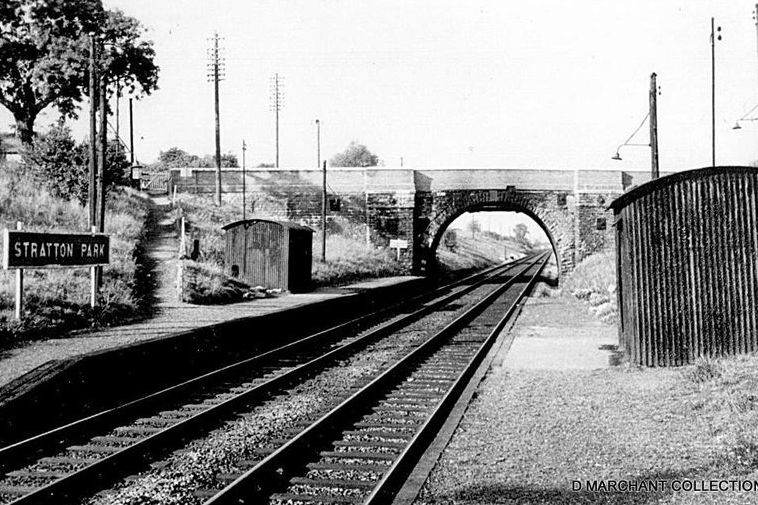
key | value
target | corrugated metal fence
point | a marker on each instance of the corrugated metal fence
(687, 247)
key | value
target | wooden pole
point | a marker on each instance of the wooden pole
(654, 127)
(713, 94)
(93, 279)
(131, 134)
(19, 285)
(218, 121)
(323, 219)
(92, 134)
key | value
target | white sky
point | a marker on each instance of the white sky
(513, 84)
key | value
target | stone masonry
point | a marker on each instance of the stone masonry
(416, 205)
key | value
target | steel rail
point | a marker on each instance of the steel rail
(254, 484)
(132, 456)
(394, 478)
(24, 450)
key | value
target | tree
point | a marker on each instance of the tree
(520, 232)
(474, 226)
(356, 155)
(62, 165)
(450, 239)
(44, 54)
(179, 158)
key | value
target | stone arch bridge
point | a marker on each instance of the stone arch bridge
(416, 205)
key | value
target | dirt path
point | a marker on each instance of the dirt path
(162, 249)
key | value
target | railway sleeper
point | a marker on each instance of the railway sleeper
(289, 498)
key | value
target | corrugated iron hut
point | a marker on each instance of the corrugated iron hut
(272, 254)
(687, 266)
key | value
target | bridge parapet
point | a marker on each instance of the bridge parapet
(381, 204)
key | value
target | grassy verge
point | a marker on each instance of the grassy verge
(726, 396)
(348, 257)
(475, 253)
(57, 300)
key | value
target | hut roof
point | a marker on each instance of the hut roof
(285, 224)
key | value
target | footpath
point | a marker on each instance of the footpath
(170, 315)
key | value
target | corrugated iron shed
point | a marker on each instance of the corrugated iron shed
(269, 253)
(687, 264)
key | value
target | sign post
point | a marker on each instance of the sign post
(54, 250)
(19, 284)
(93, 279)
(397, 244)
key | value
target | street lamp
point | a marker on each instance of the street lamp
(745, 118)
(617, 156)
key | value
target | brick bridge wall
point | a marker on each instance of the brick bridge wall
(417, 205)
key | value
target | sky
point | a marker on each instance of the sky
(450, 83)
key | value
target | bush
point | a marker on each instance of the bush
(62, 166)
(594, 281)
(206, 284)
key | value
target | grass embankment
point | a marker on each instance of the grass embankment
(349, 259)
(594, 281)
(57, 300)
(474, 253)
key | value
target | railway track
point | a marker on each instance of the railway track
(72, 461)
(362, 450)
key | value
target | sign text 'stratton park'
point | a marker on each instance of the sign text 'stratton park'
(46, 250)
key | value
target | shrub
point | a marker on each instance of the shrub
(705, 369)
(206, 284)
(62, 166)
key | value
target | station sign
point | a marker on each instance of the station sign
(23, 249)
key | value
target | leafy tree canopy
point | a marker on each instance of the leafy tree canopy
(175, 157)
(44, 56)
(356, 155)
(62, 165)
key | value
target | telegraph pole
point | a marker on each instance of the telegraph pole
(323, 219)
(103, 150)
(318, 143)
(92, 134)
(654, 126)
(276, 106)
(216, 66)
(715, 34)
(244, 192)
(131, 134)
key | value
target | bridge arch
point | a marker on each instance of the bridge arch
(550, 213)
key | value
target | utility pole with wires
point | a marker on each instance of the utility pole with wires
(244, 189)
(323, 218)
(318, 143)
(92, 133)
(216, 69)
(715, 35)
(655, 172)
(277, 102)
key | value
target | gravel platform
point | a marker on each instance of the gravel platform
(555, 418)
